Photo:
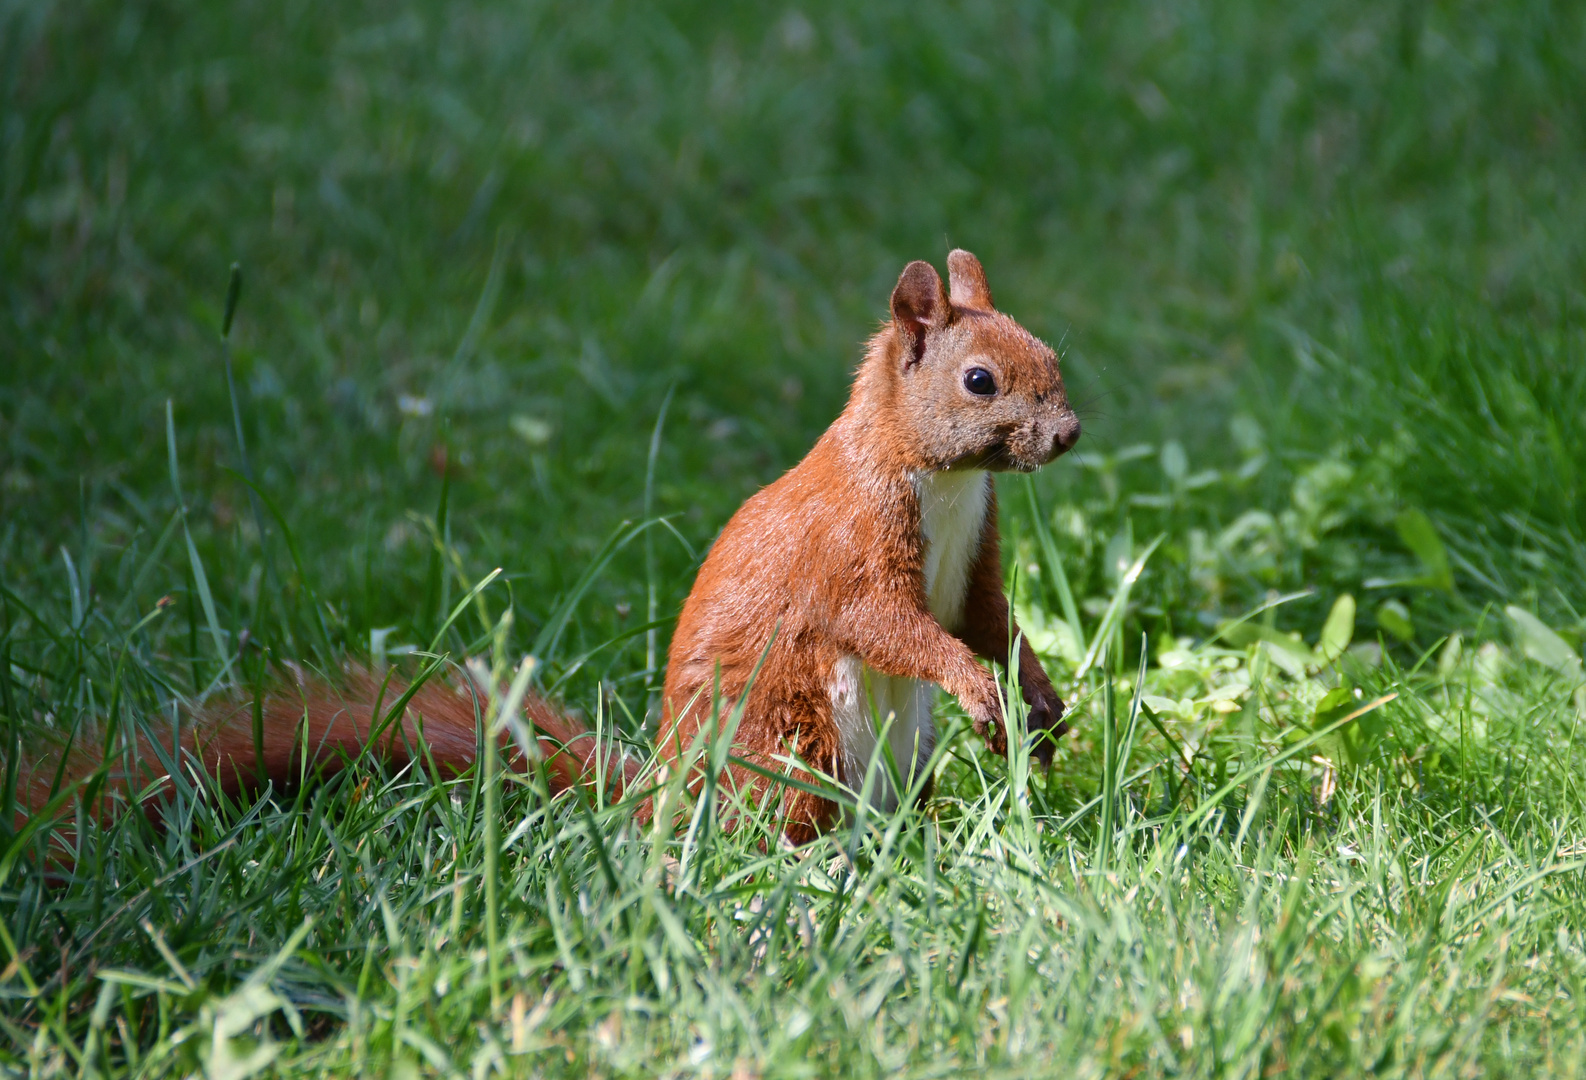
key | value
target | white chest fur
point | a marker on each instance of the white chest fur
(952, 516)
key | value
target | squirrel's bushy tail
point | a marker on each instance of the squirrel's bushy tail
(311, 728)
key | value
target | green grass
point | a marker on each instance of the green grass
(1317, 279)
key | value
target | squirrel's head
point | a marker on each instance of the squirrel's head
(979, 390)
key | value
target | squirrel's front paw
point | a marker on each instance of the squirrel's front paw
(985, 713)
(1045, 719)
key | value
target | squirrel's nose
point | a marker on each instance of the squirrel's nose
(1066, 434)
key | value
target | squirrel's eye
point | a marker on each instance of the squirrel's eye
(978, 381)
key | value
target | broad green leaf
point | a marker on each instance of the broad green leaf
(1338, 631)
(1353, 742)
(1175, 463)
(1165, 705)
(1394, 617)
(1291, 656)
(1538, 641)
(1288, 652)
(1334, 704)
(1420, 536)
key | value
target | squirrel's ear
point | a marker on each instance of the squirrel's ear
(919, 303)
(968, 281)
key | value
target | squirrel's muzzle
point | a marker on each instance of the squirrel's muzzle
(1064, 435)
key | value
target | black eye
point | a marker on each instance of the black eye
(978, 381)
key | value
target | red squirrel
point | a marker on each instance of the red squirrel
(875, 560)
(866, 574)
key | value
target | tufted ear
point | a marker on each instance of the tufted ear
(968, 281)
(919, 303)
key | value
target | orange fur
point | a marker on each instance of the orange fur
(830, 557)
(312, 729)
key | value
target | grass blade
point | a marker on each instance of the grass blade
(649, 539)
(200, 579)
(1113, 616)
(550, 636)
(1053, 563)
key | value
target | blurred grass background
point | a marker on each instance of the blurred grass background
(1316, 274)
(1353, 225)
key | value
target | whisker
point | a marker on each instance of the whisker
(1095, 397)
(1101, 442)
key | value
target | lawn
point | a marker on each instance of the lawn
(553, 288)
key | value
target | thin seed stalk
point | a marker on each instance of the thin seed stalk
(1109, 776)
(492, 811)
